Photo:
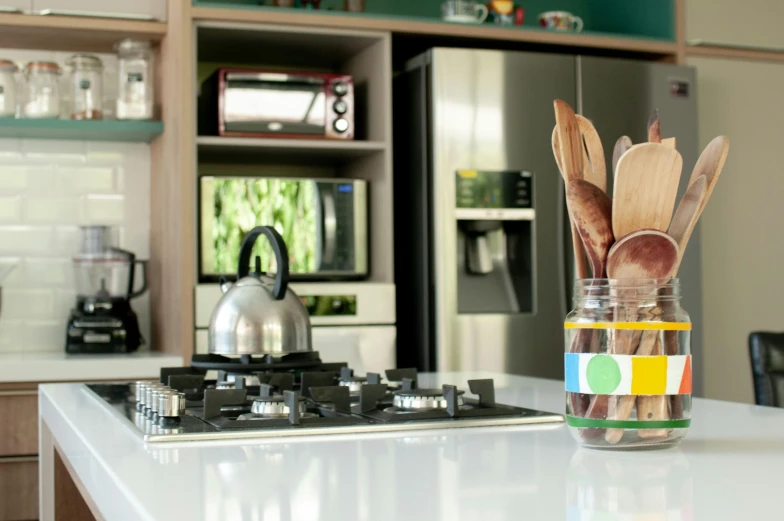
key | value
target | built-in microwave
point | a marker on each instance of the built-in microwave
(265, 103)
(323, 222)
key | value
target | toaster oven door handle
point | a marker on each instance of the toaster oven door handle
(272, 77)
(330, 227)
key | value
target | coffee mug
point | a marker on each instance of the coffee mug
(561, 21)
(463, 11)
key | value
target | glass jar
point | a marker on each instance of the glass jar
(8, 89)
(86, 86)
(135, 94)
(42, 90)
(628, 364)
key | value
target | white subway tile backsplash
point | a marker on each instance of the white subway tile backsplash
(18, 240)
(45, 335)
(15, 277)
(104, 209)
(54, 210)
(48, 188)
(28, 303)
(48, 273)
(13, 178)
(86, 179)
(10, 210)
(54, 150)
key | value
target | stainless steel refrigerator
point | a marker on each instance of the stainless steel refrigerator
(482, 253)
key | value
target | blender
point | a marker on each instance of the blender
(103, 321)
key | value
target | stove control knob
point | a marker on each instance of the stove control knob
(141, 388)
(171, 405)
(340, 88)
(154, 401)
(148, 394)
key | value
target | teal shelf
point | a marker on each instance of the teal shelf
(643, 19)
(101, 130)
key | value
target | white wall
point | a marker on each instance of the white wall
(742, 243)
(47, 189)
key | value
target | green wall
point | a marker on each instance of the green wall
(641, 18)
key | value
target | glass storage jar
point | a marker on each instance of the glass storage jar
(42, 90)
(86, 86)
(628, 364)
(8, 99)
(135, 75)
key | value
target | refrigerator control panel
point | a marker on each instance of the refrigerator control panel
(505, 195)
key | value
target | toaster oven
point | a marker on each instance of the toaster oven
(264, 103)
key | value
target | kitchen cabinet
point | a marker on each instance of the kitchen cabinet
(15, 6)
(19, 489)
(137, 9)
(19, 428)
(753, 23)
(741, 249)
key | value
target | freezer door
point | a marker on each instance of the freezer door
(493, 111)
(618, 96)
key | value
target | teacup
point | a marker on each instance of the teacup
(561, 21)
(463, 11)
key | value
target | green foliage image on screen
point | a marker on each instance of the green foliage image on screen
(288, 206)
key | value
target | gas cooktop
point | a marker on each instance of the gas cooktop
(283, 401)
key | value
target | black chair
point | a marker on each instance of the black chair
(767, 367)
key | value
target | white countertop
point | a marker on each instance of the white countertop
(728, 468)
(59, 367)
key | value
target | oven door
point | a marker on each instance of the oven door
(273, 103)
(322, 222)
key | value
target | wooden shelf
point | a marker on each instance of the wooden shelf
(707, 50)
(102, 130)
(215, 149)
(73, 33)
(436, 28)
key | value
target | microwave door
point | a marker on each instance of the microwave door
(327, 227)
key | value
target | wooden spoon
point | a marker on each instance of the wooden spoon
(591, 211)
(580, 266)
(710, 164)
(597, 173)
(654, 127)
(570, 141)
(646, 185)
(645, 254)
(623, 144)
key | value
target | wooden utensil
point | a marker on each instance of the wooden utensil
(669, 141)
(645, 254)
(710, 164)
(623, 144)
(654, 127)
(590, 210)
(570, 142)
(646, 185)
(597, 173)
(580, 267)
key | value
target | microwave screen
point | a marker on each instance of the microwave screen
(295, 107)
(320, 221)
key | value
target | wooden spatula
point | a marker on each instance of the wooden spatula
(623, 144)
(710, 164)
(654, 127)
(646, 186)
(669, 141)
(596, 174)
(570, 142)
(590, 210)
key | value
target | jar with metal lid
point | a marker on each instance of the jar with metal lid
(135, 93)
(42, 90)
(8, 99)
(86, 86)
(628, 364)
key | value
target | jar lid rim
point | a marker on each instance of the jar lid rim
(132, 43)
(6, 64)
(42, 65)
(84, 59)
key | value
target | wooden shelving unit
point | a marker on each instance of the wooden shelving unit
(73, 33)
(213, 149)
(441, 29)
(101, 130)
(708, 50)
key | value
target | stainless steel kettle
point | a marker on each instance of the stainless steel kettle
(259, 314)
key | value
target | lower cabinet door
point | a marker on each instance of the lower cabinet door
(18, 489)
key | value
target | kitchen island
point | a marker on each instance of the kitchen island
(729, 467)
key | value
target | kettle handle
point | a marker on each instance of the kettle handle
(281, 258)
